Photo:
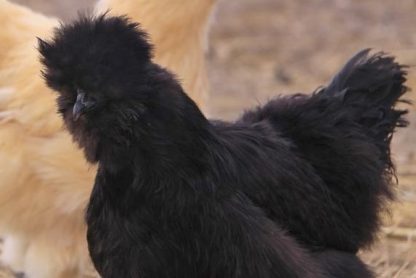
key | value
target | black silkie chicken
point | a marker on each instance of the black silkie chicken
(291, 189)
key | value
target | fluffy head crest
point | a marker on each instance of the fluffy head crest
(95, 51)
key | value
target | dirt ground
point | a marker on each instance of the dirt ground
(259, 49)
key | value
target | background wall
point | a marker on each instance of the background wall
(262, 48)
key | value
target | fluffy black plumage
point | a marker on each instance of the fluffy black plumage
(179, 196)
(342, 135)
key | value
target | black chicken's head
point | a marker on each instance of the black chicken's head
(95, 62)
(109, 91)
(101, 68)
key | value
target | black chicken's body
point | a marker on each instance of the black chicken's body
(179, 196)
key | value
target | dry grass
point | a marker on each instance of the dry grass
(266, 47)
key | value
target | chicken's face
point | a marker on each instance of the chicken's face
(84, 111)
(77, 104)
(99, 67)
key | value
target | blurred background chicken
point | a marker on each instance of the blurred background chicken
(44, 183)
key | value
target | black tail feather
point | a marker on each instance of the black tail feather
(378, 77)
(371, 86)
(344, 131)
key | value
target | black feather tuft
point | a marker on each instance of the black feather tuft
(95, 51)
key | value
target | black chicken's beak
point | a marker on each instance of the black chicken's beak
(83, 104)
(79, 106)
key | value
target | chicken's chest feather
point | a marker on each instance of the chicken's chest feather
(123, 221)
